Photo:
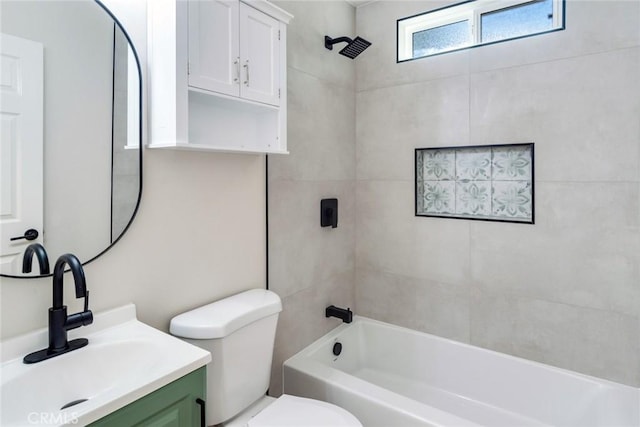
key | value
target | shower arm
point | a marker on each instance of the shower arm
(329, 42)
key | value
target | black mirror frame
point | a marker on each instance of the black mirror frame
(140, 130)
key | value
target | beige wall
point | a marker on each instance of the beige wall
(565, 291)
(313, 267)
(199, 234)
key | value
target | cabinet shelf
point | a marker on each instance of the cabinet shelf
(223, 123)
(220, 149)
(224, 112)
(247, 103)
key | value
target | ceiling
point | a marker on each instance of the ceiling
(357, 3)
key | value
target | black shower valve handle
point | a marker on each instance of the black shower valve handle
(329, 213)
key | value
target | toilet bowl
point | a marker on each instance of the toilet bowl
(293, 411)
(239, 331)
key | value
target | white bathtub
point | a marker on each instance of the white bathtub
(390, 376)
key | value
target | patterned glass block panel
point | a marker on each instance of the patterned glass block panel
(419, 168)
(473, 165)
(441, 39)
(511, 199)
(439, 165)
(473, 198)
(492, 182)
(511, 163)
(419, 195)
(439, 197)
(522, 20)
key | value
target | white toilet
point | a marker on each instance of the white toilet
(239, 331)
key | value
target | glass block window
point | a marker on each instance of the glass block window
(529, 18)
(474, 23)
(490, 182)
(440, 39)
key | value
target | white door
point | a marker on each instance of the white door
(214, 59)
(21, 144)
(260, 56)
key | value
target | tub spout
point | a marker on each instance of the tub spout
(340, 313)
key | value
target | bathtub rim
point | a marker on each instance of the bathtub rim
(339, 382)
(332, 334)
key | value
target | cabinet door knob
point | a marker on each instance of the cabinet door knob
(237, 64)
(246, 66)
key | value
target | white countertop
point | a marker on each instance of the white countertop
(124, 361)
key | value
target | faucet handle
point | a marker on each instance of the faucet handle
(76, 320)
(83, 318)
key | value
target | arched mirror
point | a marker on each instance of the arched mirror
(71, 152)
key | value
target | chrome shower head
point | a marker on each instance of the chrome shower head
(353, 48)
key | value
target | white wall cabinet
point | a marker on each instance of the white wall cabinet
(259, 56)
(217, 75)
(214, 46)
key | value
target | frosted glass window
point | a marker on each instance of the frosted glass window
(474, 23)
(530, 18)
(440, 39)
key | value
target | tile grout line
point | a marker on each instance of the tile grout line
(551, 301)
(471, 286)
(469, 225)
(324, 79)
(544, 181)
(510, 67)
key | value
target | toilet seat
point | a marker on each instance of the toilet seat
(293, 411)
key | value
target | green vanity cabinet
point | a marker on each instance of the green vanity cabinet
(174, 405)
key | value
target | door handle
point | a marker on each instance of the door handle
(237, 64)
(246, 66)
(30, 234)
(201, 403)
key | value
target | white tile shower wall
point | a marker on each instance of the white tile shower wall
(312, 267)
(565, 291)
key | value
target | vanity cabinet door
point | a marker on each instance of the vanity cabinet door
(174, 405)
(259, 56)
(214, 51)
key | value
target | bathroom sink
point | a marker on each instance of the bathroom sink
(125, 360)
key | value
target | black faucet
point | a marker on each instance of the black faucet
(340, 313)
(41, 254)
(59, 322)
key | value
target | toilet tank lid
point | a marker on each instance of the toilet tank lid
(223, 317)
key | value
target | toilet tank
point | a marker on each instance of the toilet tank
(239, 331)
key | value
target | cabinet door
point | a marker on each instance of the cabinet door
(260, 56)
(174, 405)
(214, 46)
